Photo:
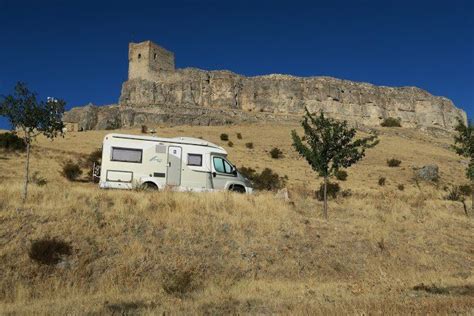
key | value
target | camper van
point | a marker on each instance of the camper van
(181, 163)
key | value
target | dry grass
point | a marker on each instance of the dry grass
(222, 253)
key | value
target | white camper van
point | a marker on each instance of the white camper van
(182, 163)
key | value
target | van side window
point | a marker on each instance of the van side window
(195, 160)
(221, 165)
(126, 155)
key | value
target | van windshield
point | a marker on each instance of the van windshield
(221, 165)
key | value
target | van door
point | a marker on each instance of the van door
(222, 172)
(173, 176)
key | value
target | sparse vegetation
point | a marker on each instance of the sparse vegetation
(401, 187)
(71, 170)
(144, 129)
(382, 181)
(341, 175)
(249, 145)
(330, 146)
(393, 162)
(224, 137)
(230, 144)
(11, 142)
(239, 136)
(465, 189)
(178, 282)
(38, 180)
(391, 122)
(454, 194)
(249, 254)
(276, 153)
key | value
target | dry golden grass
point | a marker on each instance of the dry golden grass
(223, 253)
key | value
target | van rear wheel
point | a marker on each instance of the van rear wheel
(237, 188)
(150, 186)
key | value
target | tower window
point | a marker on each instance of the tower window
(154, 56)
(139, 56)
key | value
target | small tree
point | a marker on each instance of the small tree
(329, 145)
(464, 146)
(31, 117)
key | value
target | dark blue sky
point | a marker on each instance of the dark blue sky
(77, 50)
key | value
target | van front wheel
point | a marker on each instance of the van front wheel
(237, 188)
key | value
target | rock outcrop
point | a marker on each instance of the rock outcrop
(194, 96)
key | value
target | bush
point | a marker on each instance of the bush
(465, 189)
(401, 187)
(230, 144)
(38, 180)
(239, 136)
(391, 122)
(71, 170)
(341, 175)
(267, 180)
(382, 181)
(11, 142)
(144, 129)
(224, 137)
(393, 162)
(332, 191)
(249, 145)
(49, 251)
(454, 194)
(276, 153)
(178, 282)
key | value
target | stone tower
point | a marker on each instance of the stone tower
(146, 59)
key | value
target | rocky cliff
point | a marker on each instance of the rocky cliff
(194, 96)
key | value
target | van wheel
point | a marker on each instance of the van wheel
(150, 186)
(237, 188)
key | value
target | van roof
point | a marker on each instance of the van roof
(178, 140)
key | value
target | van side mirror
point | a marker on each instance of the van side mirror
(234, 172)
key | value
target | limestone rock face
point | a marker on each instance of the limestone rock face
(282, 94)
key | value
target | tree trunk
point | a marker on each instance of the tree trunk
(325, 207)
(472, 197)
(27, 171)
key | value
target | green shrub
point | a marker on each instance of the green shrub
(239, 136)
(393, 162)
(382, 181)
(266, 180)
(230, 144)
(341, 175)
(391, 122)
(224, 137)
(49, 251)
(71, 170)
(12, 142)
(332, 191)
(401, 187)
(249, 145)
(276, 153)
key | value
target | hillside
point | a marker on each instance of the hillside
(383, 250)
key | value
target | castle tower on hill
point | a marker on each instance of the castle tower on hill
(146, 59)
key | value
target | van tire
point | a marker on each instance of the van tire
(150, 186)
(237, 188)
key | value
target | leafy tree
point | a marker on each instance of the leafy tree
(329, 145)
(31, 117)
(464, 146)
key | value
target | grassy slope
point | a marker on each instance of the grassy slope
(243, 254)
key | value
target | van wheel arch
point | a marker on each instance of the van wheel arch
(237, 188)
